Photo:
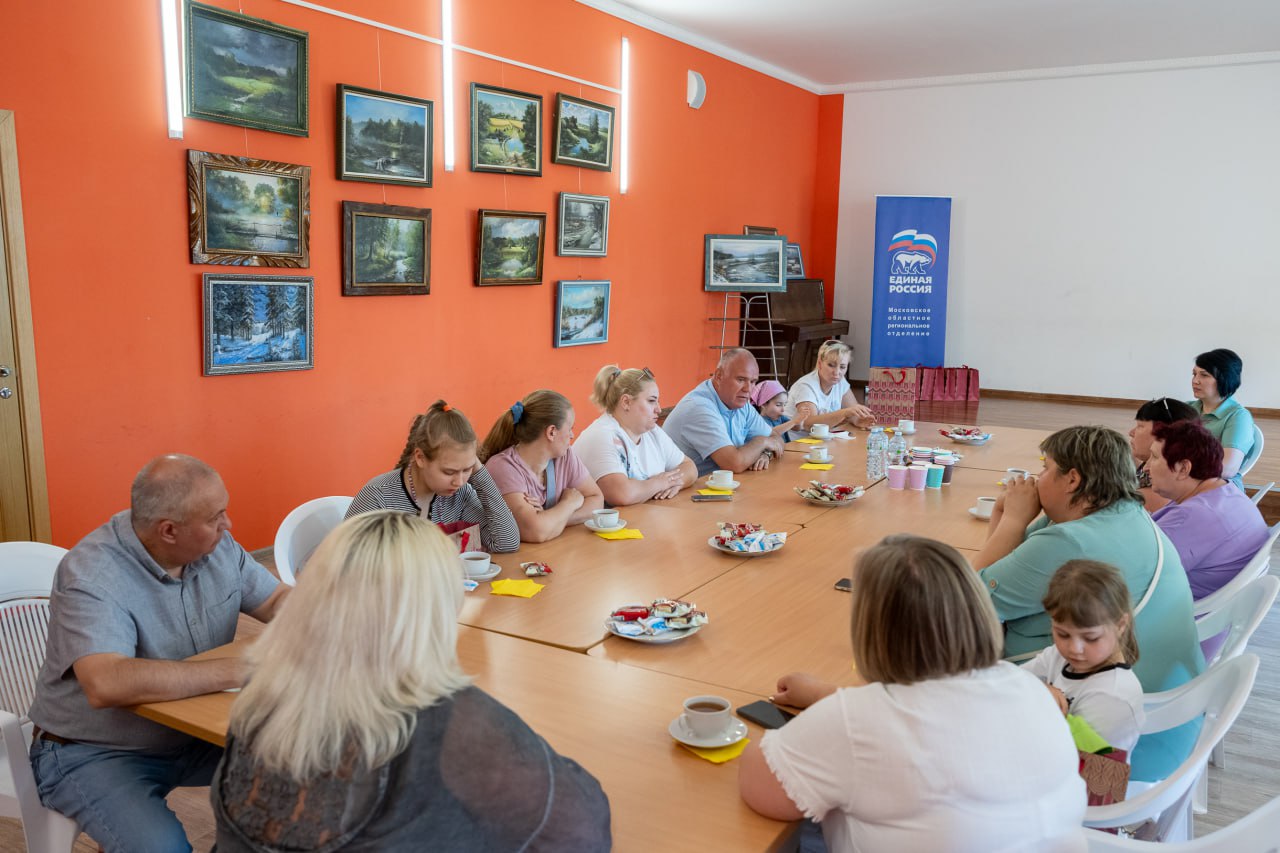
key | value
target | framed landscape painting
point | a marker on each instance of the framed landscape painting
(584, 133)
(510, 249)
(247, 212)
(795, 262)
(384, 138)
(245, 71)
(745, 264)
(584, 226)
(506, 131)
(386, 249)
(582, 313)
(258, 323)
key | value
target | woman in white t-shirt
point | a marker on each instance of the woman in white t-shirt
(631, 460)
(943, 746)
(823, 396)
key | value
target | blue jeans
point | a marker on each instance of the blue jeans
(117, 796)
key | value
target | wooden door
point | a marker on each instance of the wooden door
(24, 502)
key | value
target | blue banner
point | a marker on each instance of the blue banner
(909, 288)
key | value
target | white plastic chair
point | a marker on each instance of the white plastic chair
(302, 530)
(1217, 695)
(1255, 452)
(1255, 568)
(1262, 492)
(26, 577)
(1258, 832)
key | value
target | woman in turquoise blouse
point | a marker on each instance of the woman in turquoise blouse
(1214, 382)
(1091, 509)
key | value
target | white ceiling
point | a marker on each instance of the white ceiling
(840, 45)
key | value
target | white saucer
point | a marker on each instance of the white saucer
(733, 484)
(494, 571)
(737, 731)
(905, 432)
(724, 549)
(590, 524)
(974, 512)
(671, 635)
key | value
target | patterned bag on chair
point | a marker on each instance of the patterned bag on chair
(892, 393)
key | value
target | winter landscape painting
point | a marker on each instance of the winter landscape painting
(744, 264)
(245, 71)
(582, 313)
(257, 323)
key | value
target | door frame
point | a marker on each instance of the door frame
(28, 386)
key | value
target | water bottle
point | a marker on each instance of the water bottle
(876, 445)
(897, 449)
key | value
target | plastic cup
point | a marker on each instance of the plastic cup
(933, 477)
(916, 476)
(897, 475)
(948, 468)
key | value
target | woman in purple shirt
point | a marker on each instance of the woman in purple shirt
(1214, 526)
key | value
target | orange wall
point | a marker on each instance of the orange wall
(820, 261)
(116, 301)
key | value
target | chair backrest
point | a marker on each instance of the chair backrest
(1258, 832)
(1262, 492)
(1240, 616)
(24, 633)
(1218, 695)
(1255, 568)
(26, 568)
(302, 530)
(1255, 453)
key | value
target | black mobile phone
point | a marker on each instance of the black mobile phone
(845, 584)
(700, 498)
(765, 714)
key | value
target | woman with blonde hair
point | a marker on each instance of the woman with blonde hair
(824, 396)
(941, 745)
(440, 478)
(631, 459)
(358, 730)
(542, 480)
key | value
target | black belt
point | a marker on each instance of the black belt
(38, 734)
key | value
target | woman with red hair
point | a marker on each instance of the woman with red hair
(1214, 526)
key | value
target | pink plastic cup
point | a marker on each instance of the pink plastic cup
(916, 477)
(897, 476)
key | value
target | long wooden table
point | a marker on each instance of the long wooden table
(1009, 447)
(609, 718)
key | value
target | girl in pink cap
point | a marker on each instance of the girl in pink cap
(770, 400)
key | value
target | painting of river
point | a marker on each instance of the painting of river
(584, 225)
(384, 138)
(256, 324)
(251, 213)
(582, 313)
(511, 246)
(744, 263)
(386, 249)
(246, 71)
(584, 133)
(506, 131)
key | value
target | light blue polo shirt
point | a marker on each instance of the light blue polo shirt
(1230, 423)
(701, 424)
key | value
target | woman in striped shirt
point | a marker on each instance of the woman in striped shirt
(439, 478)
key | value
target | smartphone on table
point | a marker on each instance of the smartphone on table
(700, 498)
(765, 714)
(845, 584)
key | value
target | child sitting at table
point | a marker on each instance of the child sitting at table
(1087, 669)
(770, 400)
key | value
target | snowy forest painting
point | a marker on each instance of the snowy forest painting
(582, 313)
(257, 323)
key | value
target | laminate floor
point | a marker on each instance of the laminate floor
(1250, 778)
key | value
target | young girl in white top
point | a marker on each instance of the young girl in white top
(943, 746)
(1087, 669)
(631, 460)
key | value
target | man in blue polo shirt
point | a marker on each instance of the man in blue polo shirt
(158, 583)
(715, 424)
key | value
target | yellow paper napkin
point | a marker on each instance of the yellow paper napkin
(521, 588)
(624, 533)
(817, 466)
(808, 441)
(715, 491)
(719, 754)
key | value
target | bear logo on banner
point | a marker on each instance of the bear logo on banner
(913, 253)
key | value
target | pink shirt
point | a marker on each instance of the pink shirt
(513, 476)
